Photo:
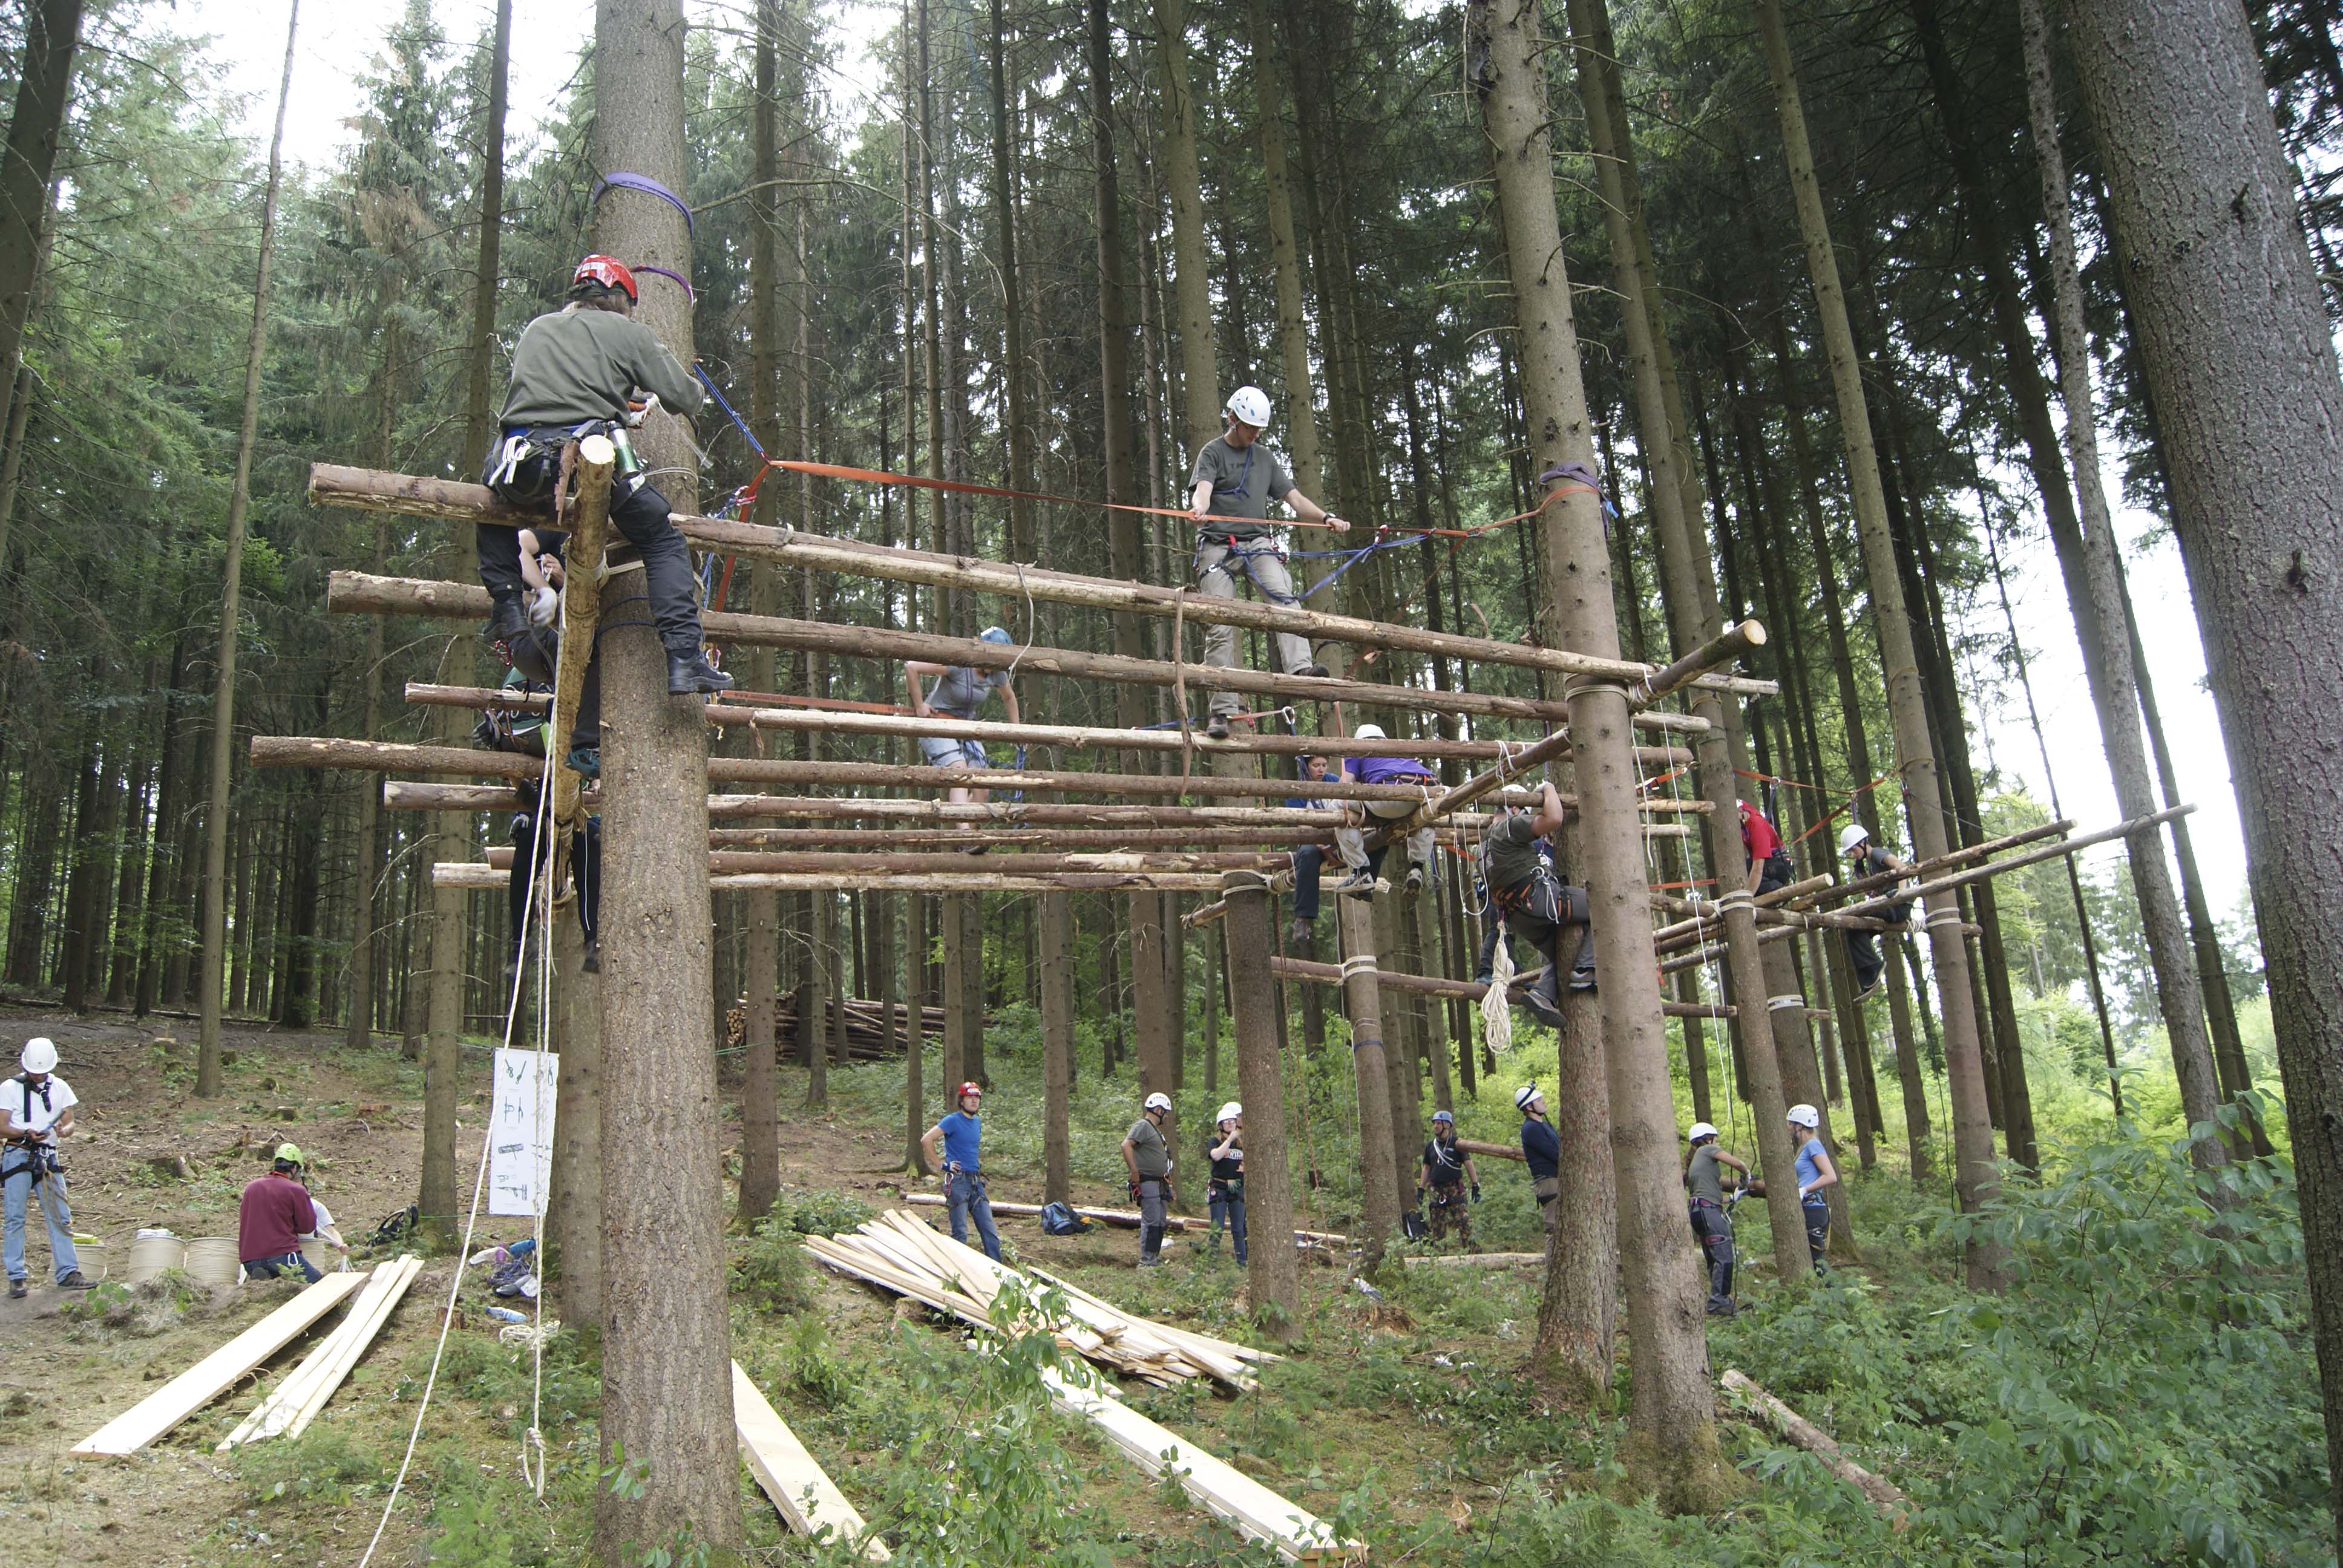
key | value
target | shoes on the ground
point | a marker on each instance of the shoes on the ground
(15, 1290)
(1313, 669)
(593, 960)
(1297, 933)
(1154, 1263)
(690, 672)
(1723, 1308)
(77, 1281)
(1359, 884)
(1217, 727)
(506, 620)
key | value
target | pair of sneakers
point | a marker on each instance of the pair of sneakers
(75, 1281)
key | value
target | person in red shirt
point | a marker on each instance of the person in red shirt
(1769, 862)
(271, 1218)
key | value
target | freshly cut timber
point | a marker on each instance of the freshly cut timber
(217, 1372)
(1123, 1218)
(792, 1477)
(296, 1402)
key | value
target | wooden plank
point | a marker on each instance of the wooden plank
(792, 1477)
(217, 1372)
(296, 1402)
(1257, 1512)
(359, 1340)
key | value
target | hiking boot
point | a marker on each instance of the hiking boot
(506, 620)
(1582, 980)
(1298, 932)
(15, 1290)
(1541, 1002)
(76, 1282)
(1359, 884)
(1313, 669)
(688, 673)
(1217, 727)
(592, 963)
(1873, 989)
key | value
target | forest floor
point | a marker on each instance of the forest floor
(1413, 1420)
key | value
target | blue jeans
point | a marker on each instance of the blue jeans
(963, 1196)
(13, 1193)
(269, 1268)
(1226, 1204)
(1308, 862)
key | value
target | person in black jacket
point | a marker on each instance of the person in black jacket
(1445, 1175)
(1866, 859)
(1542, 1146)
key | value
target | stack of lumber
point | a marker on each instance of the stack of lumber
(1257, 1512)
(217, 1372)
(1123, 1219)
(897, 1253)
(288, 1412)
(793, 1478)
(865, 1035)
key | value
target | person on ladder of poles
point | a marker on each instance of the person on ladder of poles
(1537, 905)
(1352, 838)
(1234, 480)
(1863, 947)
(1769, 862)
(1309, 859)
(575, 372)
(959, 691)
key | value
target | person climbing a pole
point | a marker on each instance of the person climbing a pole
(578, 371)
(1147, 1155)
(584, 873)
(1769, 862)
(959, 692)
(1443, 1178)
(1235, 479)
(1542, 1148)
(961, 1134)
(1712, 1220)
(1224, 1192)
(36, 1111)
(1537, 905)
(1491, 918)
(1866, 859)
(1351, 840)
(1816, 1171)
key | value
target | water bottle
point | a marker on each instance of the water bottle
(507, 1315)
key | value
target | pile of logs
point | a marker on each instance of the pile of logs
(897, 1253)
(865, 1038)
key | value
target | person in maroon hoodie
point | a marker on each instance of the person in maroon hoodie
(272, 1217)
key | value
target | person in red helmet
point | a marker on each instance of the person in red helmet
(575, 372)
(963, 1180)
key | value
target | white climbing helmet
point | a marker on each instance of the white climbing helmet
(1369, 732)
(1248, 406)
(1806, 1116)
(1853, 834)
(1230, 1113)
(1524, 1094)
(1698, 1130)
(40, 1054)
(1159, 1102)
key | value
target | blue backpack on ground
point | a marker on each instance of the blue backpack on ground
(1058, 1220)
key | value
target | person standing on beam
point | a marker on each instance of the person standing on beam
(959, 692)
(1866, 859)
(1229, 492)
(575, 372)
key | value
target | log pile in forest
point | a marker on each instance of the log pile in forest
(866, 1032)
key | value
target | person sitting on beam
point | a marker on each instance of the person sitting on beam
(1537, 905)
(1234, 479)
(959, 692)
(575, 372)
(1309, 859)
(1866, 859)
(1352, 838)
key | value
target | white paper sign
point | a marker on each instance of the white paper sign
(521, 1131)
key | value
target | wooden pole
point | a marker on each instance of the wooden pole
(1271, 1277)
(1362, 1001)
(464, 874)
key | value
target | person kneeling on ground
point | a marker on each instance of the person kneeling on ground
(1542, 1148)
(272, 1216)
(1442, 1178)
(1863, 947)
(962, 1135)
(575, 372)
(1816, 1171)
(1229, 491)
(35, 1112)
(1712, 1225)
(1352, 838)
(1147, 1156)
(1224, 1192)
(1537, 905)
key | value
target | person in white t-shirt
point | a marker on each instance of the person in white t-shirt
(36, 1112)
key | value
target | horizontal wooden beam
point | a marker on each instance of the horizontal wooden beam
(375, 489)
(1961, 856)
(363, 593)
(473, 875)
(1439, 985)
(2019, 862)
(953, 862)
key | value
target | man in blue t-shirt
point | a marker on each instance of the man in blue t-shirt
(963, 1178)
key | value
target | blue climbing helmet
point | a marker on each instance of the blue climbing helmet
(1440, 1116)
(997, 634)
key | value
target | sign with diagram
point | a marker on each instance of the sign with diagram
(521, 1131)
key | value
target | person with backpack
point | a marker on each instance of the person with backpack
(272, 1217)
(959, 692)
(36, 1111)
(1711, 1223)
(1235, 479)
(962, 1135)
(1816, 1171)
(1541, 1149)
(1224, 1191)
(1537, 906)
(1866, 859)
(1443, 1178)
(576, 372)
(1147, 1155)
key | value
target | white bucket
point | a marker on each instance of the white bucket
(212, 1261)
(322, 1256)
(151, 1256)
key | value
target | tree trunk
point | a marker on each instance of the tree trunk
(92, 824)
(1974, 1179)
(1301, 424)
(1270, 1276)
(969, 978)
(1672, 1448)
(1057, 1046)
(954, 997)
(1151, 1005)
(573, 1217)
(1191, 277)
(666, 1333)
(918, 998)
(814, 999)
(216, 799)
(1362, 1001)
(1012, 311)
(43, 91)
(358, 1033)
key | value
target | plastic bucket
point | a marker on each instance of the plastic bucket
(212, 1261)
(151, 1256)
(322, 1256)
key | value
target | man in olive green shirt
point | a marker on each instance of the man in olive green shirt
(1147, 1156)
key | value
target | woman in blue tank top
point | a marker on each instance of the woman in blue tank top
(1816, 1171)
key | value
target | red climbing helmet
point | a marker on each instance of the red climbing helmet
(967, 1089)
(608, 271)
